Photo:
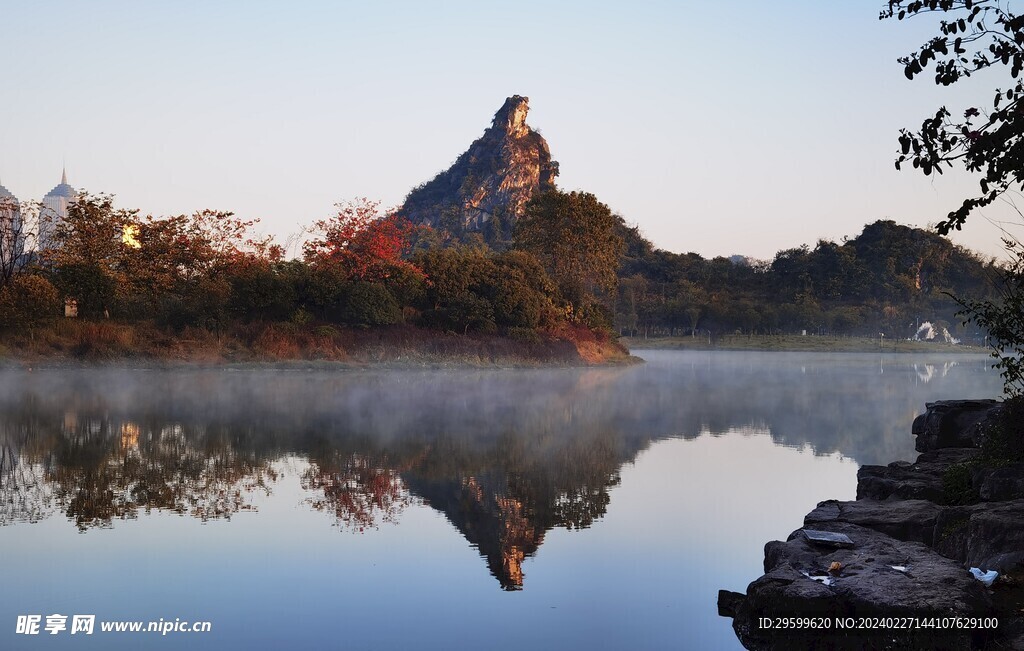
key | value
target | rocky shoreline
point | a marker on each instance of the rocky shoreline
(911, 545)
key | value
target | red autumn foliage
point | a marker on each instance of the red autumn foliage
(366, 242)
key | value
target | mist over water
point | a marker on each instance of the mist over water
(549, 507)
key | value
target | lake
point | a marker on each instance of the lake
(434, 509)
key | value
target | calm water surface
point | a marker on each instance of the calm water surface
(495, 509)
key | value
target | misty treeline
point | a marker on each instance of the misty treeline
(359, 268)
(570, 261)
(888, 279)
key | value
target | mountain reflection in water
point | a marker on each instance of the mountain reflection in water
(506, 456)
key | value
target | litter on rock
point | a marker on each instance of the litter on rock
(824, 580)
(985, 577)
(828, 538)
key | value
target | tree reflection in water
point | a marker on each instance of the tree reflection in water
(502, 497)
(360, 492)
(25, 493)
(505, 456)
(97, 469)
(104, 469)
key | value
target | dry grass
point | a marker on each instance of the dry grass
(91, 341)
(797, 343)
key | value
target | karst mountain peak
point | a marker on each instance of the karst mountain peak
(488, 186)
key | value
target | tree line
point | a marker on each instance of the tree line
(570, 260)
(888, 279)
(359, 268)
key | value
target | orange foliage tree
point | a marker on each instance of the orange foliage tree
(183, 247)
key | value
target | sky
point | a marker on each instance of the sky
(721, 128)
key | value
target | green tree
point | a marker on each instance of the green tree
(576, 238)
(87, 253)
(1002, 319)
(973, 35)
(627, 313)
(522, 292)
(322, 290)
(261, 289)
(693, 304)
(90, 285)
(369, 304)
(462, 281)
(474, 289)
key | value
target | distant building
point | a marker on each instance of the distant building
(12, 237)
(53, 211)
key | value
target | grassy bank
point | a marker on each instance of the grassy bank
(72, 341)
(797, 343)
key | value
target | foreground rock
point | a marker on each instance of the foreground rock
(921, 480)
(908, 553)
(880, 577)
(910, 520)
(988, 535)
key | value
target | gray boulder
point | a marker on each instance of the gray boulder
(1002, 484)
(989, 535)
(908, 520)
(868, 584)
(921, 480)
(954, 423)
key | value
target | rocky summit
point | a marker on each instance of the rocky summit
(486, 189)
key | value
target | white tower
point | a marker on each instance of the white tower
(54, 210)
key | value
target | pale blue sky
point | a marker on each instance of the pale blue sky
(721, 129)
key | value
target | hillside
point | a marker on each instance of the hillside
(888, 279)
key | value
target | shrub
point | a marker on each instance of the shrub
(525, 335)
(515, 304)
(90, 285)
(200, 303)
(260, 291)
(322, 291)
(326, 331)
(100, 340)
(370, 304)
(596, 315)
(1004, 321)
(1004, 442)
(406, 284)
(457, 297)
(27, 302)
(957, 485)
